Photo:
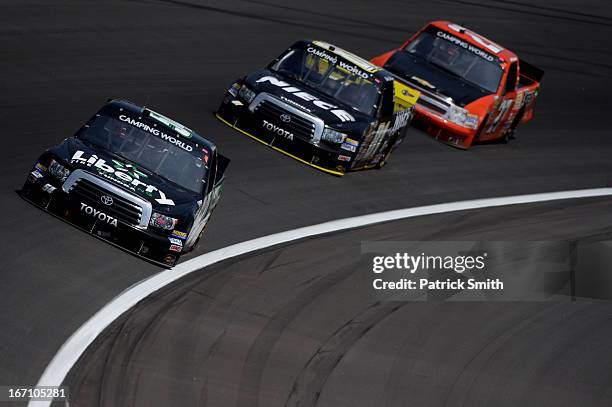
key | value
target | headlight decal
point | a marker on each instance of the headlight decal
(247, 94)
(348, 147)
(233, 90)
(58, 170)
(471, 121)
(333, 136)
(161, 221)
(462, 117)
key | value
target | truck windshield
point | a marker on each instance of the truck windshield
(331, 76)
(466, 63)
(164, 154)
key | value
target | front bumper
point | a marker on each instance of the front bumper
(46, 193)
(442, 129)
(236, 114)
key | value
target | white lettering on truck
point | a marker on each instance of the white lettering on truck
(121, 175)
(339, 113)
(156, 132)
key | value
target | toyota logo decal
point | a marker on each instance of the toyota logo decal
(285, 118)
(106, 200)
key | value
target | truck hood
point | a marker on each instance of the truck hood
(331, 116)
(164, 195)
(408, 67)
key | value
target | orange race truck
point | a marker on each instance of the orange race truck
(472, 89)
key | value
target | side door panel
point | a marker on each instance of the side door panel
(499, 116)
(399, 106)
(505, 110)
(203, 213)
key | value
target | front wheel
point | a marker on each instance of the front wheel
(509, 134)
(383, 162)
(392, 145)
(197, 241)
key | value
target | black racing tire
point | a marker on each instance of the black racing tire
(505, 139)
(385, 159)
(383, 162)
(197, 241)
(481, 129)
(510, 133)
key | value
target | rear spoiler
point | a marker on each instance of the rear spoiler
(531, 71)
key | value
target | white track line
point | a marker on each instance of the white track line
(76, 345)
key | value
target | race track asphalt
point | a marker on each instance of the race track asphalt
(62, 60)
(300, 325)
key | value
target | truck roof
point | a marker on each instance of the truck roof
(477, 40)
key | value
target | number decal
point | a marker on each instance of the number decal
(502, 110)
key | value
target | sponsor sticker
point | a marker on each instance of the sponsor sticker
(124, 174)
(165, 136)
(472, 119)
(40, 167)
(339, 113)
(348, 147)
(176, 248)
(233, 90)
(351, 141)
(294, 103)
(48, 188)
(518, 103)
(176, 241)
(344, 158)
(466, 45)
(179, 234)
(423, 82)
(353, 69)
(322, 54)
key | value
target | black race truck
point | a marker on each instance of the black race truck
(134, 178)
(323, 106)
